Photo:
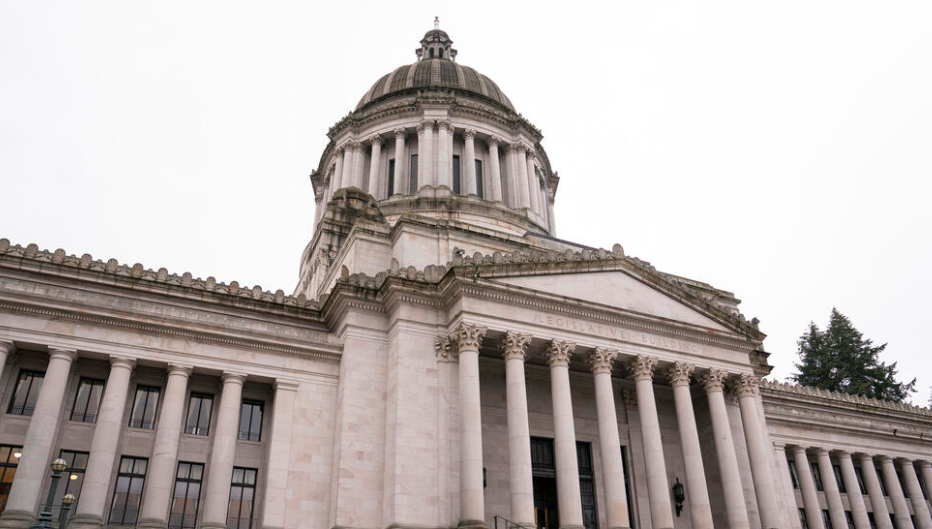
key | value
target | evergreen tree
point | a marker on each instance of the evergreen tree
(840, 359)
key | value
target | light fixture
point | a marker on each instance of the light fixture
(679, 496)
(68, 500)
(59, 465)
(17, 454)
(73, 477)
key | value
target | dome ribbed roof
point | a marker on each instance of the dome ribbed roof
(435, 73)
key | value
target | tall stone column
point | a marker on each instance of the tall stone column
(400, 174)
(569, 500)
(279, 455)
(892, 481)
(223, 450)
(914, 491)
(520, 179)
(358, 166)
(613, 476)
(469, 158)
(855, 498)
(346, 179)
(444, 156)
(789, 493)
(700, 509)
(925, 468)
(339, 154)
(425, 159)
(758, 452)
(836, 510)
(514, 350)
(6, 349)
(661, 510)
(160, 480)
(467, 339)
(532, 183)
(495, 177)
(33, 466)
(90, 510)
(735, 508)
(375, 183)
(808, 489)
(872, 483)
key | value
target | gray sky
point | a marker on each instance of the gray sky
(780, 150)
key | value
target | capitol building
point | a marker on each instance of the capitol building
(446, 360)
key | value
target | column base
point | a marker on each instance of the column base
(15, 519)
(473, 524)
(86, 521)
(151, 523)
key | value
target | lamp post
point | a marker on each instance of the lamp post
(66, 503)
(44, 521)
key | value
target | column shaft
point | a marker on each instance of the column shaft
(661, 510)
(90, 510)
(358, 166)
(514, 350)
(758, 452)
(855, 498)
(6, 349)
(697, 491)
(836, 510)
(425, 144)
(495, 177)
(279, 455)
(33, 466)
(613, 477)
(735, 508)
(375, 183)
(808, 489)
(914, 491)
(469, 159)
(160, 480)
(346, 177)
(399, 163)
(444, 157)
(925, 468)
(878, 503)
(532, 183)
(520, 179)
(892, 481)
(472, 497)
(220, 470)
(569, 499)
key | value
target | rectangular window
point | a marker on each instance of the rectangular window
(826, 519)
(250, 421)
(793, 476)
(144, 407)
(199, 408)
(457, 186)
(391, 177)
(412, 181)
(127, 492)
(587, 485)
(242, 496)
(87, 400)
(187, 495)
(816, 476)
(26, 393)
(857, 473)
(479, 179)
(838, 479)
(9, 459)
(71, 479)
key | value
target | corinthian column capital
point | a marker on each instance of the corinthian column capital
(680, 373)
(445, 124)
(746, 385)
(514, 345)
(495, 140)
(376, 139)
(467, 337)
(469, 134)
(600, 360)
(443, 346)
(559, 353)
(642, 367)
(713, 380)
(424, 126)
(400, 132)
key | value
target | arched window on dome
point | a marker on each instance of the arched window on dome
(440, 52)
(431, 53)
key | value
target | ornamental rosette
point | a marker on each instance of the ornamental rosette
(713, 379)
(600, 360)
(444, 349)
(559, 353)
(642, 367)
(514, 345)
(746, 385)
(467, 337)
(680, 373)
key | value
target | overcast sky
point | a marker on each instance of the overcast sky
(779, 150)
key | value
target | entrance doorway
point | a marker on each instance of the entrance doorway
(543, 465)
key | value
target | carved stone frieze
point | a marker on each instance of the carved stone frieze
(559, 353)
(600, 360)
(680, 373)
(514, 345)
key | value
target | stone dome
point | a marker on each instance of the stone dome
(435, 73)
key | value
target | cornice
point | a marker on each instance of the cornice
(786, 390)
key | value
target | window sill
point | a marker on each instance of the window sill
(245, 442)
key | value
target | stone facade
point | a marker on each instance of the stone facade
(444, 361)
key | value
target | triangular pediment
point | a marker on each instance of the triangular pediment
(614, 288)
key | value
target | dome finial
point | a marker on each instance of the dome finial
(436, 22)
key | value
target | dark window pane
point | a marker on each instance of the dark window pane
(186, 496)
(199, 409)
(26, 393)
(479, 178)
(456, 175)
(250, 421)
(127, 493)
(242, 494)
(144, 408)
(391, 177)
(8, 464)
(412, 181)
(87, 400)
